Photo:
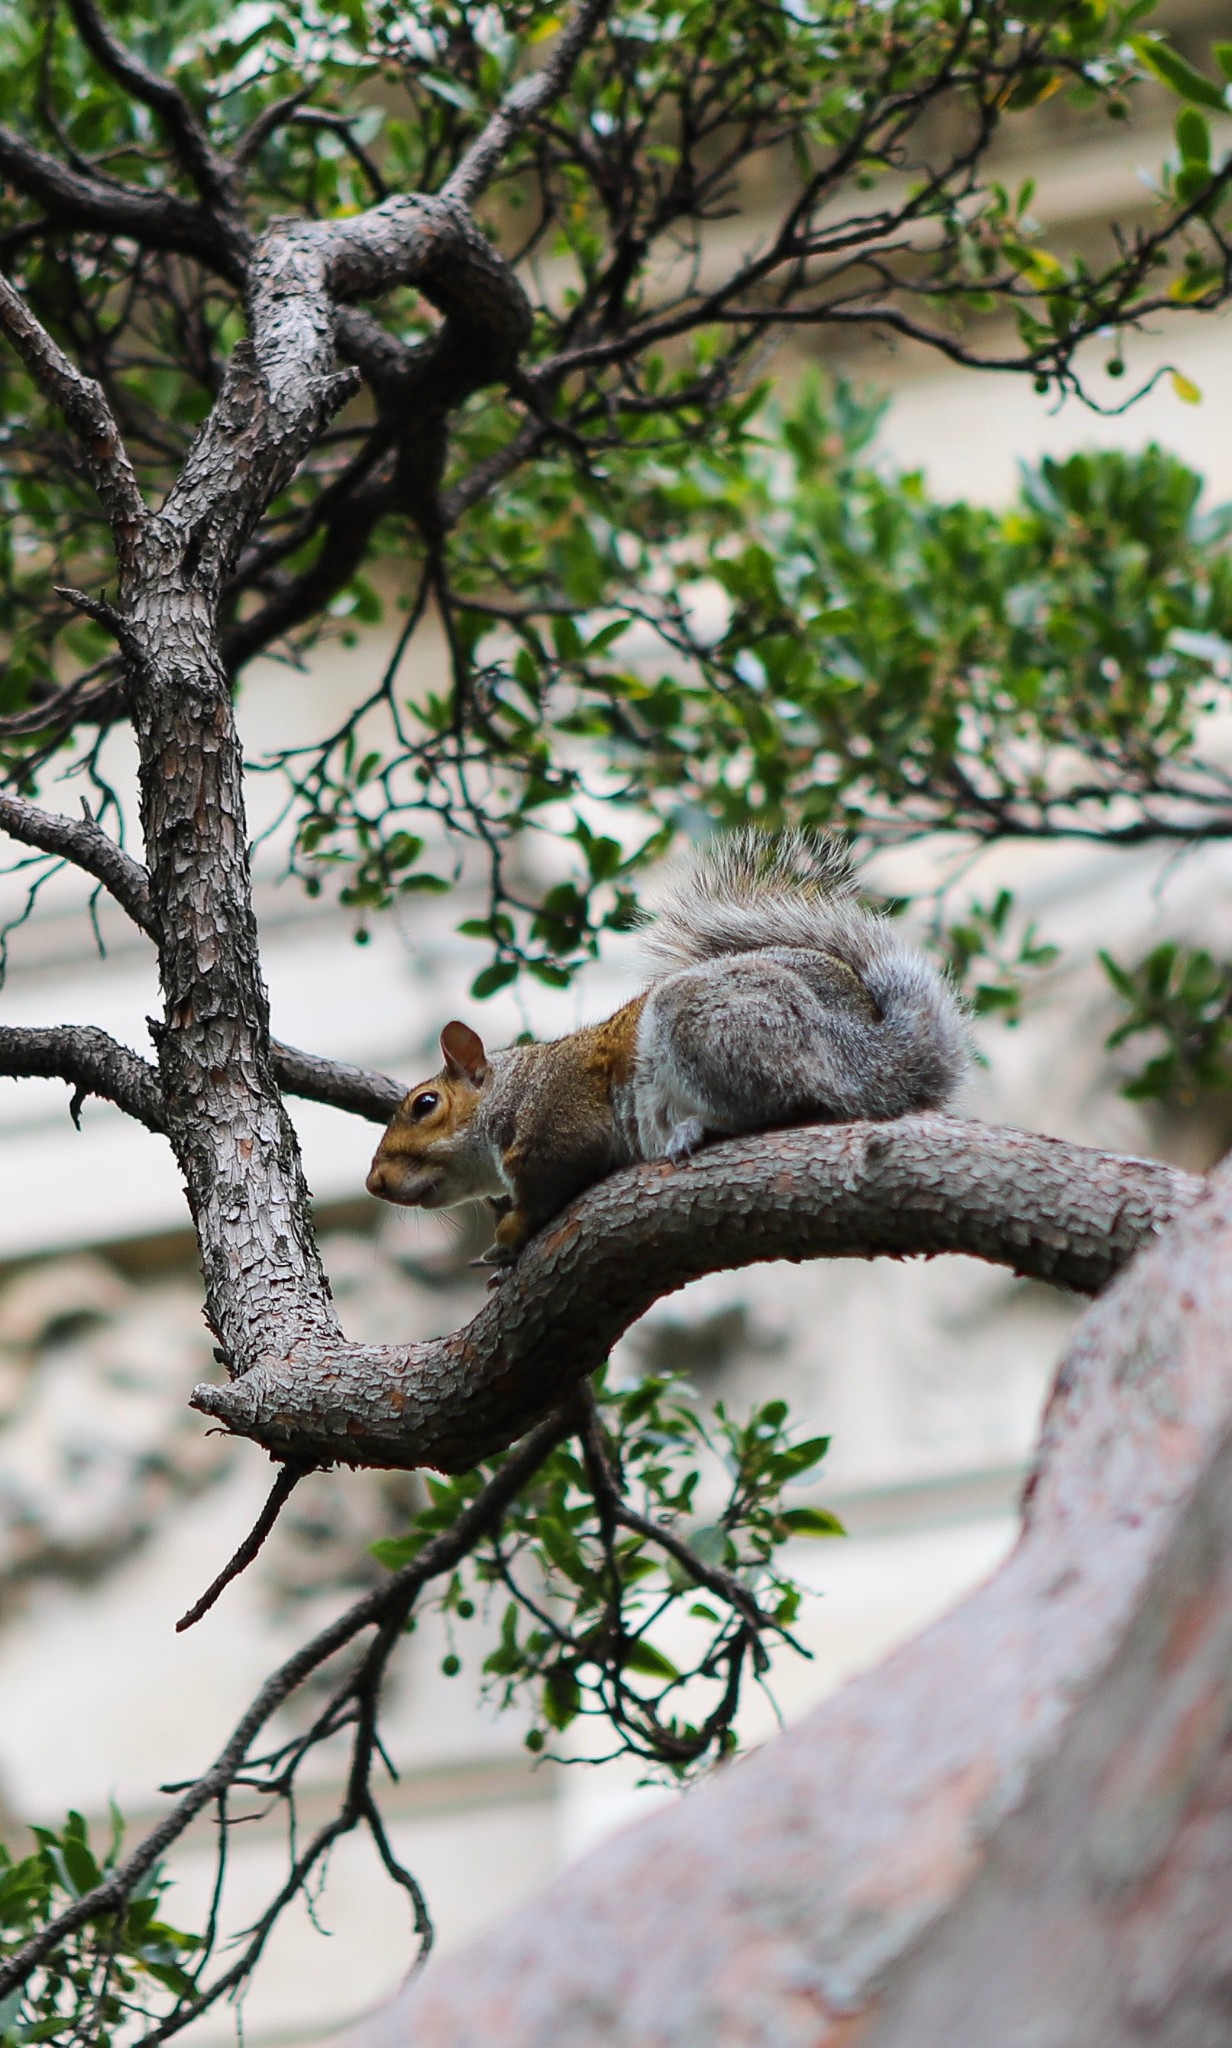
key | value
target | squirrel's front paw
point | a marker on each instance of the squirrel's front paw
(497, 1255)
(684, 1139)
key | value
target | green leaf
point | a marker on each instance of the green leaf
(1176, 71)
(801, 1457)
(710, 1543)
(1193, 137)
(562, 1697)
(498, 975)
(811, 1522)
(642, 1656)
(1184, 389)
(451, 89)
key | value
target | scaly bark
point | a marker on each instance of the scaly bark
(924, 1184)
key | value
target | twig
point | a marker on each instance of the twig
(280, 1493)
(392, 1600)
(527, 98)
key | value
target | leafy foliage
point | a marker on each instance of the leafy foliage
(608, 1557)
(989, 955)
(1182, 997)
(104, 1978)
(784, 627)
(656, 601)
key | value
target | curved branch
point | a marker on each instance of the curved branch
(94, 1063)
(87, 846)
(922, 1185)
(1015, 1829)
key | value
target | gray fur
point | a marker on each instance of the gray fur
(790, 1002)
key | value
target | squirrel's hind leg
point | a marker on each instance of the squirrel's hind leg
(740, 1044)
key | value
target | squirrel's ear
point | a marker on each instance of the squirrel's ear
(465, 1058)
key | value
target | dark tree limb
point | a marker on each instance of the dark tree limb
(93, 1062)
(1016, 1828)
(188, 137)
(87, 846)
(73, 198)
(84, 407)
(922, 1185)
(336, 1083)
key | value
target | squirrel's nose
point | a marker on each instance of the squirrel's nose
(376, 1178)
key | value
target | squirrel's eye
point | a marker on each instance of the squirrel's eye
(423, 1105)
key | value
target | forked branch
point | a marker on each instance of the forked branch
(920, 1186)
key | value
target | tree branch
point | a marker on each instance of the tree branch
(919, 1186)
(188, 137)
(81, 401)
(87, 846)
(363, 1093)
(94, 1063)
(529, 97)
(1015, 1828)
(158, 220)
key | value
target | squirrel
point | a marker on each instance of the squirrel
(779, 1000)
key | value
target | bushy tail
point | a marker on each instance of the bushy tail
(750, 890)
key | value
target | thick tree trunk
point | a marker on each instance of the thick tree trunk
(1015, 1831)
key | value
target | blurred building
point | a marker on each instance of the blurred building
(117, 1506)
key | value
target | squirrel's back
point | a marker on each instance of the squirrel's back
(891, 1034)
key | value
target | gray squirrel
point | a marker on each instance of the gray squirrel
(779, 1000)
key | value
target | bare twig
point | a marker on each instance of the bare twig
(280, 1493)
(387, 1606)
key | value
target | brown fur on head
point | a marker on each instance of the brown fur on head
(429, 1157)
